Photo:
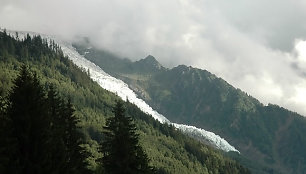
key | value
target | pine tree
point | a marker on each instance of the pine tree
(67, 153)
(57, 153)
(4, 140)
(122, 153)
(39, 132)
(28, 125)
(73, 140)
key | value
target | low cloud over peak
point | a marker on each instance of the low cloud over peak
(258, 46)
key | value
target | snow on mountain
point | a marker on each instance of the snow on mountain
(206, 137)
(110, 83)
(122, 90)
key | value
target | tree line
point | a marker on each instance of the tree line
(54, 146)
(39, 134)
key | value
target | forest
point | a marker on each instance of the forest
(55, 119)
(269, 137)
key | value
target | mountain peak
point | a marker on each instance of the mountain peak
(150, 63)
(150, 59)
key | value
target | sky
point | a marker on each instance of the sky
(257, 46)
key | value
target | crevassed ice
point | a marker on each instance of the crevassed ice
(123, 91)
(110, 83)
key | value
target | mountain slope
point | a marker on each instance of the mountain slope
(271, 135)
(121, 89)
(170, 151)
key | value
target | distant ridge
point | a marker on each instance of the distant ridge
(197, 97)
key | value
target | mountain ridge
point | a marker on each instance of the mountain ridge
(197, 97)
(170, 150)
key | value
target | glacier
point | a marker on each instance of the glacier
(123, 91)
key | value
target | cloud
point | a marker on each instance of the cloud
(258, 46)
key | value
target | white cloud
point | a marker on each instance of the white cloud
(300, 47)
(258, 46)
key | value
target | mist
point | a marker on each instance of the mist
(257, 46)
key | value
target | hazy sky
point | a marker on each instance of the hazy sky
(258, 46)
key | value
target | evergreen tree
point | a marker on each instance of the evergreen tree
(73, 140)
(57, 153)
(67, 154)
(28, 123)
(39, 132)
(4, 140)
(122, 153)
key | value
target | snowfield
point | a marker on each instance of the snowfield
(122, 90)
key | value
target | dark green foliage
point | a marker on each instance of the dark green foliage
(28, 125)
(120, 147)
(40, 133)
(208, 157)
(5, 150)
(66, 140)
(269, 136)
(164, 145)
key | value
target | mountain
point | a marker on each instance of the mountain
(121, 89)
(170, 150)
(144, 66)
(270, 135)
(147, 65)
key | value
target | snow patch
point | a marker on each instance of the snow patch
(123, 91)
